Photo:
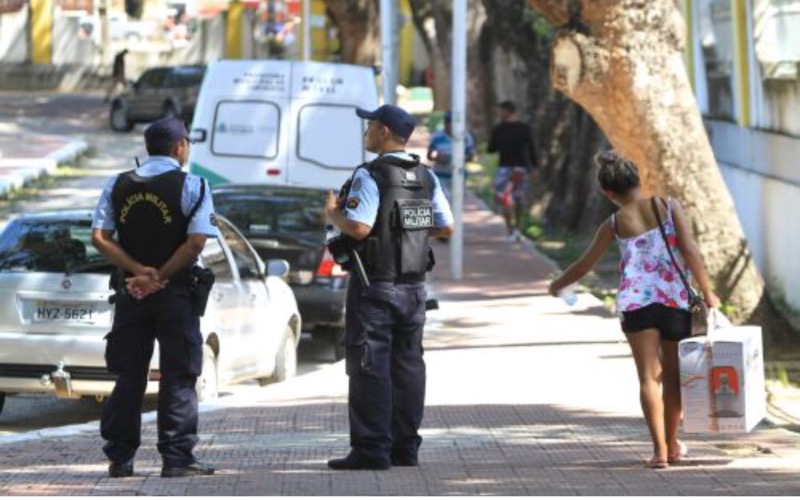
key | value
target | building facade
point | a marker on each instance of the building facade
(743, 59)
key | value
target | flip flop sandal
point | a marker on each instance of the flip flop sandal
(683, 452)
(656, 463)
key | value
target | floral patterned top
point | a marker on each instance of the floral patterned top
(648, 274)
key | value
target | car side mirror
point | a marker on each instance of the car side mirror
(278, 268)
(198, 135)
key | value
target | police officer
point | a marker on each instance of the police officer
(162, 217)
(392, 205)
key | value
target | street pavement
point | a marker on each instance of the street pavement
(526, 396)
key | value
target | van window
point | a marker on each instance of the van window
(246, 129)
(330, 135)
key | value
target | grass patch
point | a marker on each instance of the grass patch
(36, 188)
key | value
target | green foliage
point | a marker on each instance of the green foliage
(35, 188)
(542, 28)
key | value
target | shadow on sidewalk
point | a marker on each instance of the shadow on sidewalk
(467, 449)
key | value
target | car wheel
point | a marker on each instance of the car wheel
(2, 401)
(339, 349)
(208, 382)
(285, 360)
(118, 119)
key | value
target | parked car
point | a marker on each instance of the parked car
(55, 313)
(284, 222)
(158, 93)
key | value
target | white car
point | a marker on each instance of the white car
(55, 313)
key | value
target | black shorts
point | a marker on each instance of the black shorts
(674, 324)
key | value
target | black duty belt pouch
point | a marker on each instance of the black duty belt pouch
(117, 283)
(414, 218)
(201, 281)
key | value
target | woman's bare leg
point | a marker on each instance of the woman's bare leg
(646, 349)
(671, 383)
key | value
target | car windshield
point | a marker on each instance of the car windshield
(53, 246)
(187, 77)
(256, 216)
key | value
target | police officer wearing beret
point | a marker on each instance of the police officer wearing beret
(162, 217)
(391, 207)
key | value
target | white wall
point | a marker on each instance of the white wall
(14, 37)
(760, 169)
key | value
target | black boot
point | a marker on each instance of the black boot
(193, 469)
(354, 461)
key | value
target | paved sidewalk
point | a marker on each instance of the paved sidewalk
(526, 397)
(26, 156)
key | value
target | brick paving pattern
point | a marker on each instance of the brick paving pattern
(526, 396)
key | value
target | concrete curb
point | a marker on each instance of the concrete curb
(20, 171)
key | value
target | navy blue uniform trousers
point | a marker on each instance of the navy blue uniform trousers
(384, 361)
(166, 316)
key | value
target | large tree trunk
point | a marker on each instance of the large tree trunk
(621, 60)
(433, 22)
(425, 22)
(517, 60)
(359, 29)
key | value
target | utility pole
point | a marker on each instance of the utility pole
(458, 96)
(389, 50)
(306, 30)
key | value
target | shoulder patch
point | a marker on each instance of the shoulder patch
(352, 202)
(212, 219)
(356, 184)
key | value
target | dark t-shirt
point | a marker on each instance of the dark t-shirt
(514, 142)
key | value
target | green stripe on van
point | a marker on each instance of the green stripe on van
(211, 177)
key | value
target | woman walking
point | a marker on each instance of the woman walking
(652, 301)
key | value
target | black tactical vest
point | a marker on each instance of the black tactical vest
(148, 215)
(397, 247)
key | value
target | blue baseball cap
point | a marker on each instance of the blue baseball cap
(398, 121)
(163, 133)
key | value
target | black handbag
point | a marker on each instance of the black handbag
(697, 306)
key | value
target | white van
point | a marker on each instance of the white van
(281, 122)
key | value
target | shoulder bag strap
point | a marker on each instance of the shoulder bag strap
(669, 250)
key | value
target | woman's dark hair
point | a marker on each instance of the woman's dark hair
(616, 173)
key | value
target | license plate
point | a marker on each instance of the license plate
(65, 313)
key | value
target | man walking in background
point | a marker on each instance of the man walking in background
(440, 150)
(117, 73)
(513, 140)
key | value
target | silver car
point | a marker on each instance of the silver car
(55, 312)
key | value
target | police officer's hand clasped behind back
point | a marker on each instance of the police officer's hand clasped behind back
(389, 208)
(162, 217)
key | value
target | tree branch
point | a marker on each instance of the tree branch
(557, 12)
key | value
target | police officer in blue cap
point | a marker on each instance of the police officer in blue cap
(162, 217)
(389, 209)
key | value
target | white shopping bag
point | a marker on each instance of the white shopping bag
(717, 320)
